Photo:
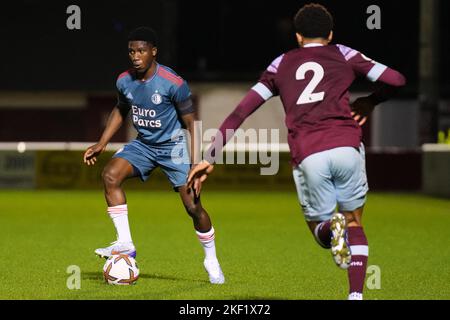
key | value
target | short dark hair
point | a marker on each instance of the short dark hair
(313, 21)
(144, 34)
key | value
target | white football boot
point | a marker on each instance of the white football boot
(215, 273)
(339, 246)
(117, 248)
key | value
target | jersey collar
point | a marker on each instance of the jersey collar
(313, 44)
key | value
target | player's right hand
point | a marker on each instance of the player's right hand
(198, 174)
(90, 155)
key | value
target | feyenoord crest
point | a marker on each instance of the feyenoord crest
(156, 98)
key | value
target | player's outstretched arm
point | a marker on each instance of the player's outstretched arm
(113, 124)
(199, 173)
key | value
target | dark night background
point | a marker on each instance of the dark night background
(210, 42)
(203, 41)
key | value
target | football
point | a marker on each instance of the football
(120, 269)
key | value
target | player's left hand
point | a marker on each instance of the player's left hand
(361, 108)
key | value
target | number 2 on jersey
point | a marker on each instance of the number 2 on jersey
(307, 95)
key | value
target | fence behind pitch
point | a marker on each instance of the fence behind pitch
(41, 165)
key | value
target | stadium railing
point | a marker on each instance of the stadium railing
(59, 165)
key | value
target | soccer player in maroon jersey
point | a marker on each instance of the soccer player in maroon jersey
(324, 134)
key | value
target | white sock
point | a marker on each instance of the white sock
(207, 241)
(119, 216)
(355, 296)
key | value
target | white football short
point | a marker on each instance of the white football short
(329, 178)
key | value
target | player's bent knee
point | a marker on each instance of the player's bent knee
(110, 178)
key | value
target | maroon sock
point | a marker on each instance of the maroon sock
(360, 252)
(322, 234)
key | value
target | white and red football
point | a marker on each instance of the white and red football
(120, 269)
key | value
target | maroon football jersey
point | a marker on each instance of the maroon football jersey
(313, 83)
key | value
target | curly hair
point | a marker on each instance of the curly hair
(313, 21)
(144, 34)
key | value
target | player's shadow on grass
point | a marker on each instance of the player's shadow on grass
(99, 276)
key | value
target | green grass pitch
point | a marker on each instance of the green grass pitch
(264, 246)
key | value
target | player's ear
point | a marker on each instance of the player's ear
(330, 36)
(299, 38)
(154, 51)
